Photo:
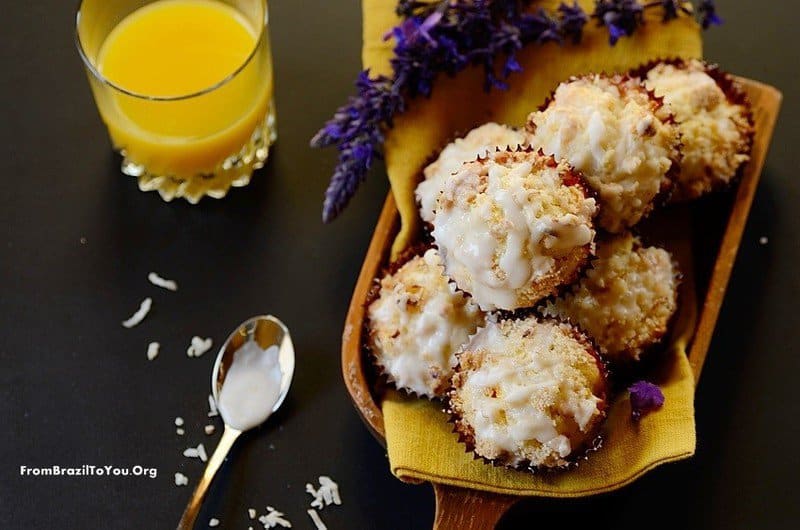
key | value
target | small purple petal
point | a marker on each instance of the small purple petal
(512, 65)
(645, 397)
(622, 17)
(431, 21)
(573, 19)
(708, 14)
(614, 33)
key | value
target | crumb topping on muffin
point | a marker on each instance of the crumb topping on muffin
(715, 131)
(513, 227)
(626, 298)
(416, 324)
(478, 142)
(528, 393)
(617, 134)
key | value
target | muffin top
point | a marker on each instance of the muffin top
(417, 322)
(512, 227)
(626, 298)
(616, 133)
(528, 393)
(715, 130)
(478, 142)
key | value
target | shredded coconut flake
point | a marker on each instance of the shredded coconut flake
(273, 519)
(158, 281)
(251, 512)
(326, 494)
(209, 429)
(181, 479)
(178, 421)
(139, 315)
(763, 240)
(212, 407)
(213, 522)
(199, 346)
(179, 431)
(316, 519)
(196, 452)
(152, 350)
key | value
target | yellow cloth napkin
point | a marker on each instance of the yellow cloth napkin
(420, 443)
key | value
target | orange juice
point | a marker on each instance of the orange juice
(191, 85)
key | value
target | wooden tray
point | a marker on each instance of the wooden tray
(459, 508)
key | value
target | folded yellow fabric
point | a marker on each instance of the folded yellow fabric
(422, 447)
(420, 443)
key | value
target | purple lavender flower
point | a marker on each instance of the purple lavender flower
(543, 26)
(621, 17)
(708, 14)
(446, 36)
(645, 397)
(434, 38)
(357, 129)
(573, 19)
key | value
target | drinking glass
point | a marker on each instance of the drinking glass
(184, 144)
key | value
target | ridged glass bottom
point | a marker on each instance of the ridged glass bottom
(235, 171)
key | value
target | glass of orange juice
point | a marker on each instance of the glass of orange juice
(184, 87)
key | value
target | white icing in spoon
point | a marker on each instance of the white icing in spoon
(252, 386)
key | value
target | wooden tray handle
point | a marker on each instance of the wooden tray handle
(463, 509)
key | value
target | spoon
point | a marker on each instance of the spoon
(264, 331)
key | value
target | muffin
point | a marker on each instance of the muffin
(478, 142)
(416, 323)
(625, 300)
(529, 393)
(513, 227)
(714, 120)
(618, 135)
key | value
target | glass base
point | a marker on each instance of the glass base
(235, 171)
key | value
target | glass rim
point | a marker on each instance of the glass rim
(100, 77)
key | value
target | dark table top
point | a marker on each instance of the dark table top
(77, 240)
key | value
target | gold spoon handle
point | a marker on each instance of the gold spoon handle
(189, 516)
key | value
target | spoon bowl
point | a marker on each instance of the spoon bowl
(265, 331)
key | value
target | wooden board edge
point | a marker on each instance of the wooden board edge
(766, 101)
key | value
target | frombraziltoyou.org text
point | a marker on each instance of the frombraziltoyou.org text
(88, 470)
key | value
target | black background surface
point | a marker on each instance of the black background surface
(76, 388)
